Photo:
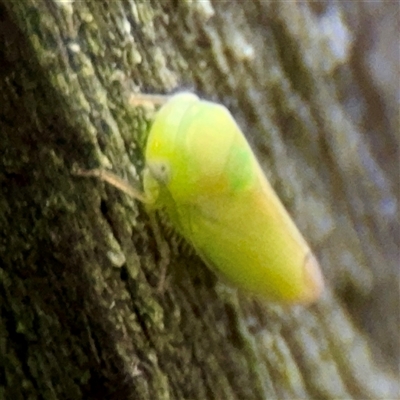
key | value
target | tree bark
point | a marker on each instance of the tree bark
(315, 89)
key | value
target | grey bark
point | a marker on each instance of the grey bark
(315, 89)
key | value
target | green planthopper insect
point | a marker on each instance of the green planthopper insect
(201, 170)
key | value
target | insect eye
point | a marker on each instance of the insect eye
(160, 172)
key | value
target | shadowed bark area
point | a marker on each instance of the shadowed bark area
(314, 88)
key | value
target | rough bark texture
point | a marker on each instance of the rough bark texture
(315, 89)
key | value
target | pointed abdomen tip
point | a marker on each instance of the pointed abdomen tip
(314, 281)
